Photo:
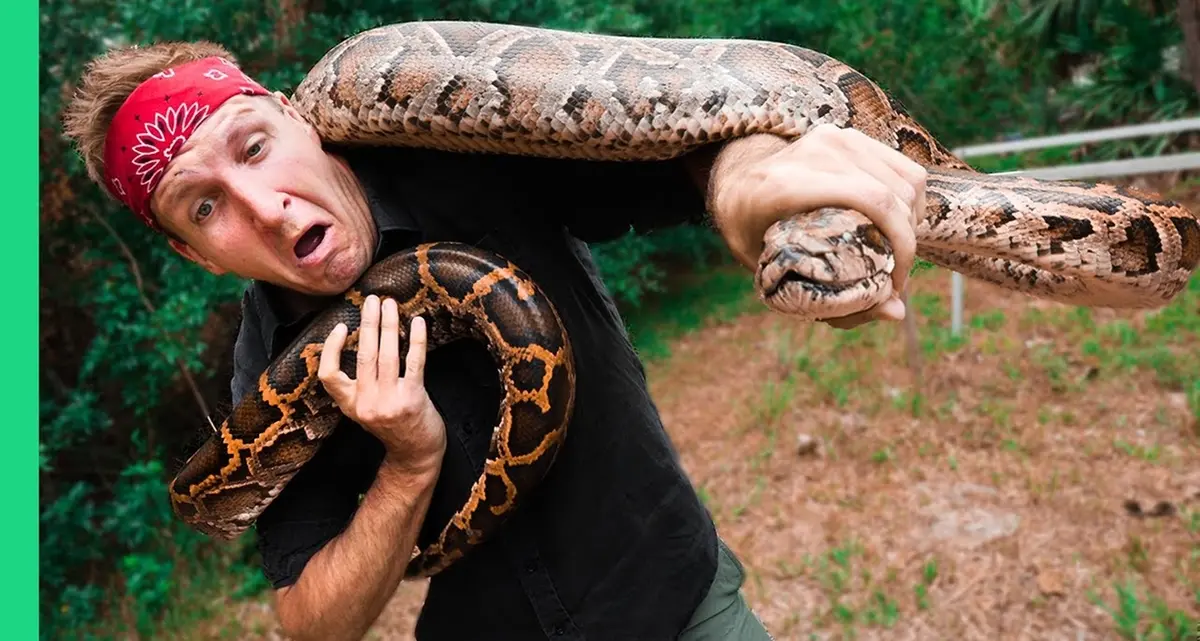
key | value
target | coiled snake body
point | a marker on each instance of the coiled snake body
(462, 292)
(511, 89)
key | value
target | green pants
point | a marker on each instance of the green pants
(723, 614)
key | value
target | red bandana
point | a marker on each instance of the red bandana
(158, 117)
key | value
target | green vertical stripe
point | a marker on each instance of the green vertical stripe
(19, 532)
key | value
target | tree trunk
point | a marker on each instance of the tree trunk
(289, 15)
(1189, 22)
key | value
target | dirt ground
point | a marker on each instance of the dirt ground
(992, 496)
(991, 514)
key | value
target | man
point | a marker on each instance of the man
(615, 543)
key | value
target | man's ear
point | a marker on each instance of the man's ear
(187, 252)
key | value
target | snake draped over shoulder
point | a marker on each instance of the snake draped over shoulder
(479, 87)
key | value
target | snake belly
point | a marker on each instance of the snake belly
(463, 293)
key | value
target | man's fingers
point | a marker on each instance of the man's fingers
(912, 171)
(368, 340)
(847, 322)
(331, 352)
(414, 364)
(884, 169)
(864, 193)
(891, 309)
(329, 371)
(389, 342)
(900, 223)
(868, 195)
(921, 207)
(900, 232)
(914, 176)
(893, 217)
(906, 179)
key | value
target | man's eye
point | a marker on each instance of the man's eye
(204, 209)
(254, 149)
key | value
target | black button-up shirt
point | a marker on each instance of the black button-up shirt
(615, 543)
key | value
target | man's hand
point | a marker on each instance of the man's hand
(397, 410)
(346, 584)
(758, 180)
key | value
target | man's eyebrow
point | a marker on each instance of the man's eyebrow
(230, 132)
(238, 131)
(170, 192)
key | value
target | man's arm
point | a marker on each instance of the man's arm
(747, 184)
(346, 584)
(600, 201)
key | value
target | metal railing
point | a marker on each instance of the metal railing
(1089, 171)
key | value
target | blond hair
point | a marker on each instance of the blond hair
(107, 82)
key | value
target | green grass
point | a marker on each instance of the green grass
(211, 588)
(1143, 617)
(856, 597)
(776, 398)
(1150, 454)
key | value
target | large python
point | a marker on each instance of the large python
(478, 87)
(462, 292)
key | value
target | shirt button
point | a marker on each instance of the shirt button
(558, 631)
(531, 567)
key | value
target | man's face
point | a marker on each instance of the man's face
(253, 193)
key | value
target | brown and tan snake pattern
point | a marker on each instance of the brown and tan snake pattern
(462, 292)
(476, 87)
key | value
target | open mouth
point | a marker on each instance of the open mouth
(820, 287)
(309, 242)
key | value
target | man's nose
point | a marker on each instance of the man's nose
(267, 208)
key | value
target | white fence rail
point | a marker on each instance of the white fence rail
(1096, 170)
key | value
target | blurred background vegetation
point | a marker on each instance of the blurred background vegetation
(135, 344)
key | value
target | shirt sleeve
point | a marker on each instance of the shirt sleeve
(249, 354)
(603, 200)
(321, 499)
(316, 505)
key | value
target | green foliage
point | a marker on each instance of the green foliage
(1128, 78)
(634, 266)
(123, 317)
